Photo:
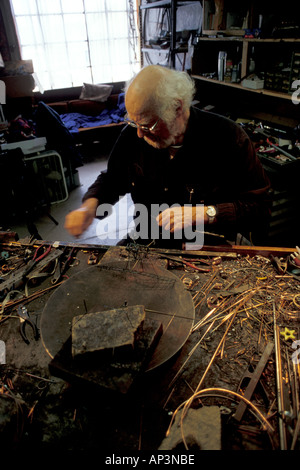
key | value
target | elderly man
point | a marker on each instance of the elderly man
(200, 165)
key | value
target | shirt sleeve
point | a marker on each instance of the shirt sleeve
(250, 210)
(112, 183)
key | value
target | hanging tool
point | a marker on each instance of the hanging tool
(25, 320)
(254, 380)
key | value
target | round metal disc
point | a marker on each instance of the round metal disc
(115, 285)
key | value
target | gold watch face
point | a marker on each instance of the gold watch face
(211, 211)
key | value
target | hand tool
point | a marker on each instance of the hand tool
(24, 320)
(38, 256)
(287, 154)
(254, 380)
(17, 276)
(186, 263)
(62, 266)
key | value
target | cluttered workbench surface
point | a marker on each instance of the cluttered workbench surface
(133, 348)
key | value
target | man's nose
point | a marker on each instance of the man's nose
(140, 133)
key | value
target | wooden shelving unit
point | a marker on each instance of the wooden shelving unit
(238, 86)
(245, 44)
(218, 35)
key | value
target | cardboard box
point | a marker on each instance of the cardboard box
(19, 85)
(18, 78)
(18, 67)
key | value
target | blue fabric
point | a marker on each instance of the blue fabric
(73, 121)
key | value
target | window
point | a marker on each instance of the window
(75, 41)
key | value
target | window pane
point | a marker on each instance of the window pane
(76, 41)
(57, 56)
(122, 72)
(75, 27)
(117, 5)
(80, 76)
(78, 54)
(37, 55)
(118, 25)
(62, 79)
(94, 5)
(44, 78)
(72, 6)
(119, 52)
(24, 7)
(103, 74)
(99, 51)
(53, 29)
(97, 26)
(29, 29)
(48, 6)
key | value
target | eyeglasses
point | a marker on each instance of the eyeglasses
(140, 126)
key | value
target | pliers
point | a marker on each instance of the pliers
(24, 319)
(38, 255)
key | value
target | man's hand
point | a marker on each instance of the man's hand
(178, 218)
(78, 221)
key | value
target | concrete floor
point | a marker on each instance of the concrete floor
(104, 232)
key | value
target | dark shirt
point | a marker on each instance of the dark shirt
(217, 165)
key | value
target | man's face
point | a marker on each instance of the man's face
(161, 136)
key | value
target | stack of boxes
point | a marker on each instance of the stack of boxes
(282, 76)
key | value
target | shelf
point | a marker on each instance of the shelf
(159, 4)
(235, 32)
(242, 39)
(155, 49)
(167, 3)
(178, 50)
(262, 91)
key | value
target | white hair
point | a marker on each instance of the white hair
(172, 88)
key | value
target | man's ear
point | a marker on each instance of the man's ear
(179, 108)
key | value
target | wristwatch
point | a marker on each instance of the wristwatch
(211, 212)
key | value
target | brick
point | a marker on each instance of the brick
(105, 333)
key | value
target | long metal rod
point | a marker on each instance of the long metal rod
(238, 415)
(281, 424)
